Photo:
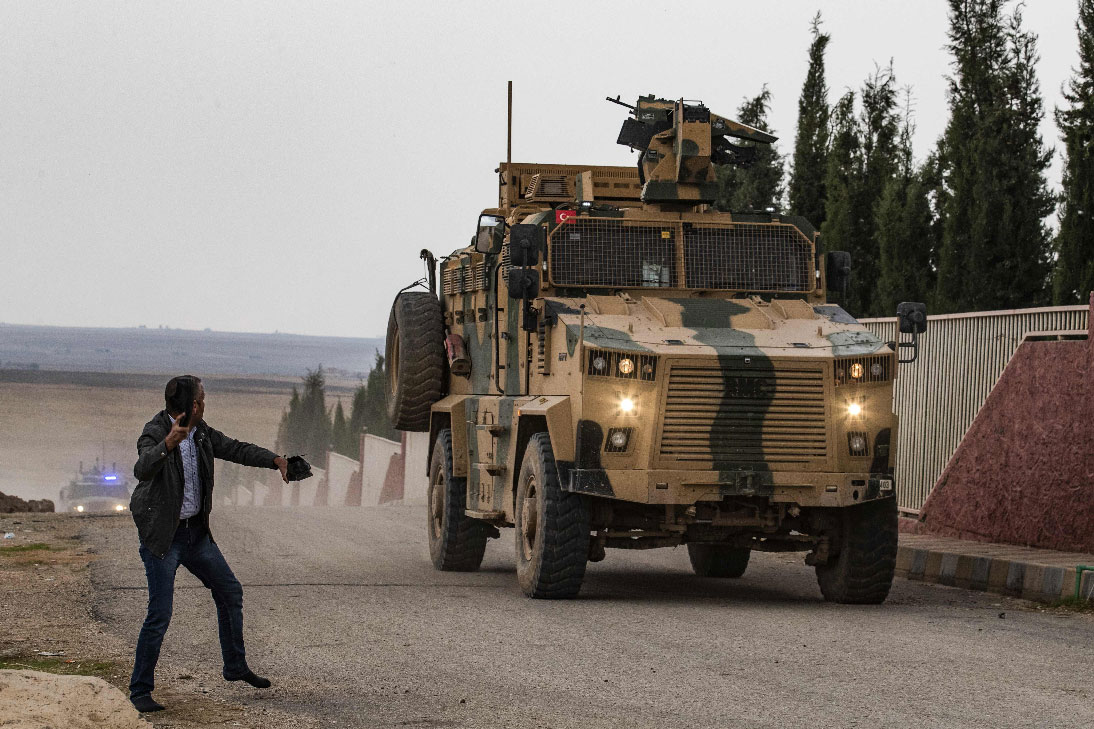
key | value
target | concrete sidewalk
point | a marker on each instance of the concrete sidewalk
(1034, 574)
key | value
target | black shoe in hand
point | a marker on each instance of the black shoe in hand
(252, 678)
(146, 703)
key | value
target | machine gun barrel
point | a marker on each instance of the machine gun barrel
(616, 100)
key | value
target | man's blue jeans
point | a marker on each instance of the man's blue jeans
(197, 552)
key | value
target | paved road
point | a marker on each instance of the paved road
(347, 616)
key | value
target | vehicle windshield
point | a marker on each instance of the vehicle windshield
(617, 253)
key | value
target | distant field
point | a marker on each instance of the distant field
(71, 394)
(177, 351)
(50, 421)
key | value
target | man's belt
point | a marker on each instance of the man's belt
(192, 522)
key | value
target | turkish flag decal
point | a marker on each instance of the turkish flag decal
(565, 216)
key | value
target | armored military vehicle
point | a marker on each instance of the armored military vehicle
(97, 489)
(612, 363)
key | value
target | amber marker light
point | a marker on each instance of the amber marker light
(857, 371)
(626, 366)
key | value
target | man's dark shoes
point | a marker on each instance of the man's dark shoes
(252, 678)
(146, 703)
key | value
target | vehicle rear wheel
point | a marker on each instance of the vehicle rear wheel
(718, 560)
(456, 541)
(862, 572)
(415, 359)
(552, 527)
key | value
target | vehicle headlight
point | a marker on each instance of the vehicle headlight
(854, 410)
(119, 507)
(625, 365)
(80, 508)
(857, 443)
(626, 405)
(857, 371)
(618, 439)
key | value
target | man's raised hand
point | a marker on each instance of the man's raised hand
(178, 432)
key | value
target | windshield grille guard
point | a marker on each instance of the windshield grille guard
(628, 253)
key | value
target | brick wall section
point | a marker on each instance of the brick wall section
(1024, 473)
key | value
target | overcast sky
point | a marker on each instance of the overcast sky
(262, 167)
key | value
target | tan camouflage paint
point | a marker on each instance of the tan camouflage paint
(551, 391)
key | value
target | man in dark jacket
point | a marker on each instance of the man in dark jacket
(171, 506)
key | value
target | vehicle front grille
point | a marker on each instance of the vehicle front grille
(741, 413)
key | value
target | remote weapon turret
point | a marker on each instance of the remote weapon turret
(680, 142)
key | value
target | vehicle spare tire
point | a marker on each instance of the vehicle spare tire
(415, 359)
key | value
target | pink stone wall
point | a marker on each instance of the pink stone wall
(1024, 473)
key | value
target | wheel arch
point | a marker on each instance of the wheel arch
(551, 415)
(445, 412)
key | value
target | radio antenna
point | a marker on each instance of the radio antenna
(509, 133)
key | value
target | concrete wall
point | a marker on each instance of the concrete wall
(376, 455)
(936, 398)
(339, 472)
(1024, 473)
(415, 477)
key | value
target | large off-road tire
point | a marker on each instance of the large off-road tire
(718, 560)
(552, 527)
(862, 572)
(456, 541)
(415, 359)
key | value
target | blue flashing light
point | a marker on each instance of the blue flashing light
(110, 478)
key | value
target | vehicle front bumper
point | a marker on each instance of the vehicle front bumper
(687, 487)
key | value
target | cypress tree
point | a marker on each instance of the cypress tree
(1073, 279)
(369, 409)
(880, 133)
(842, 228)
(289, 436)
(340, 435)
(810, 169)
(759, 186)
(314, 418)
(995, 246)
(905, 232)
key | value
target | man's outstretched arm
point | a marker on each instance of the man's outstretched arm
(246, 454)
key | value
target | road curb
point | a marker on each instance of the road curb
(1006, 570)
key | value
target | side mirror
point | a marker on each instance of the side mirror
(837, 270)
(490, 234)
(525, 244)
(523, 283)
(912, 317)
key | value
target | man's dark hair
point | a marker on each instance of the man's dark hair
(180, 393)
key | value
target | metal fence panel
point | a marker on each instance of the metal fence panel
(961, 357)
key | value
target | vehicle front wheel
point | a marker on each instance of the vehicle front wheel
(456, 541)
(718, 560)
(862, 572)
(552, 527)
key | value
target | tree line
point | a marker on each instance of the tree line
(965, 228)
(309, 426)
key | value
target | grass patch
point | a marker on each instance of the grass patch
(1073, 604)
(105, 670)
(18, 548)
